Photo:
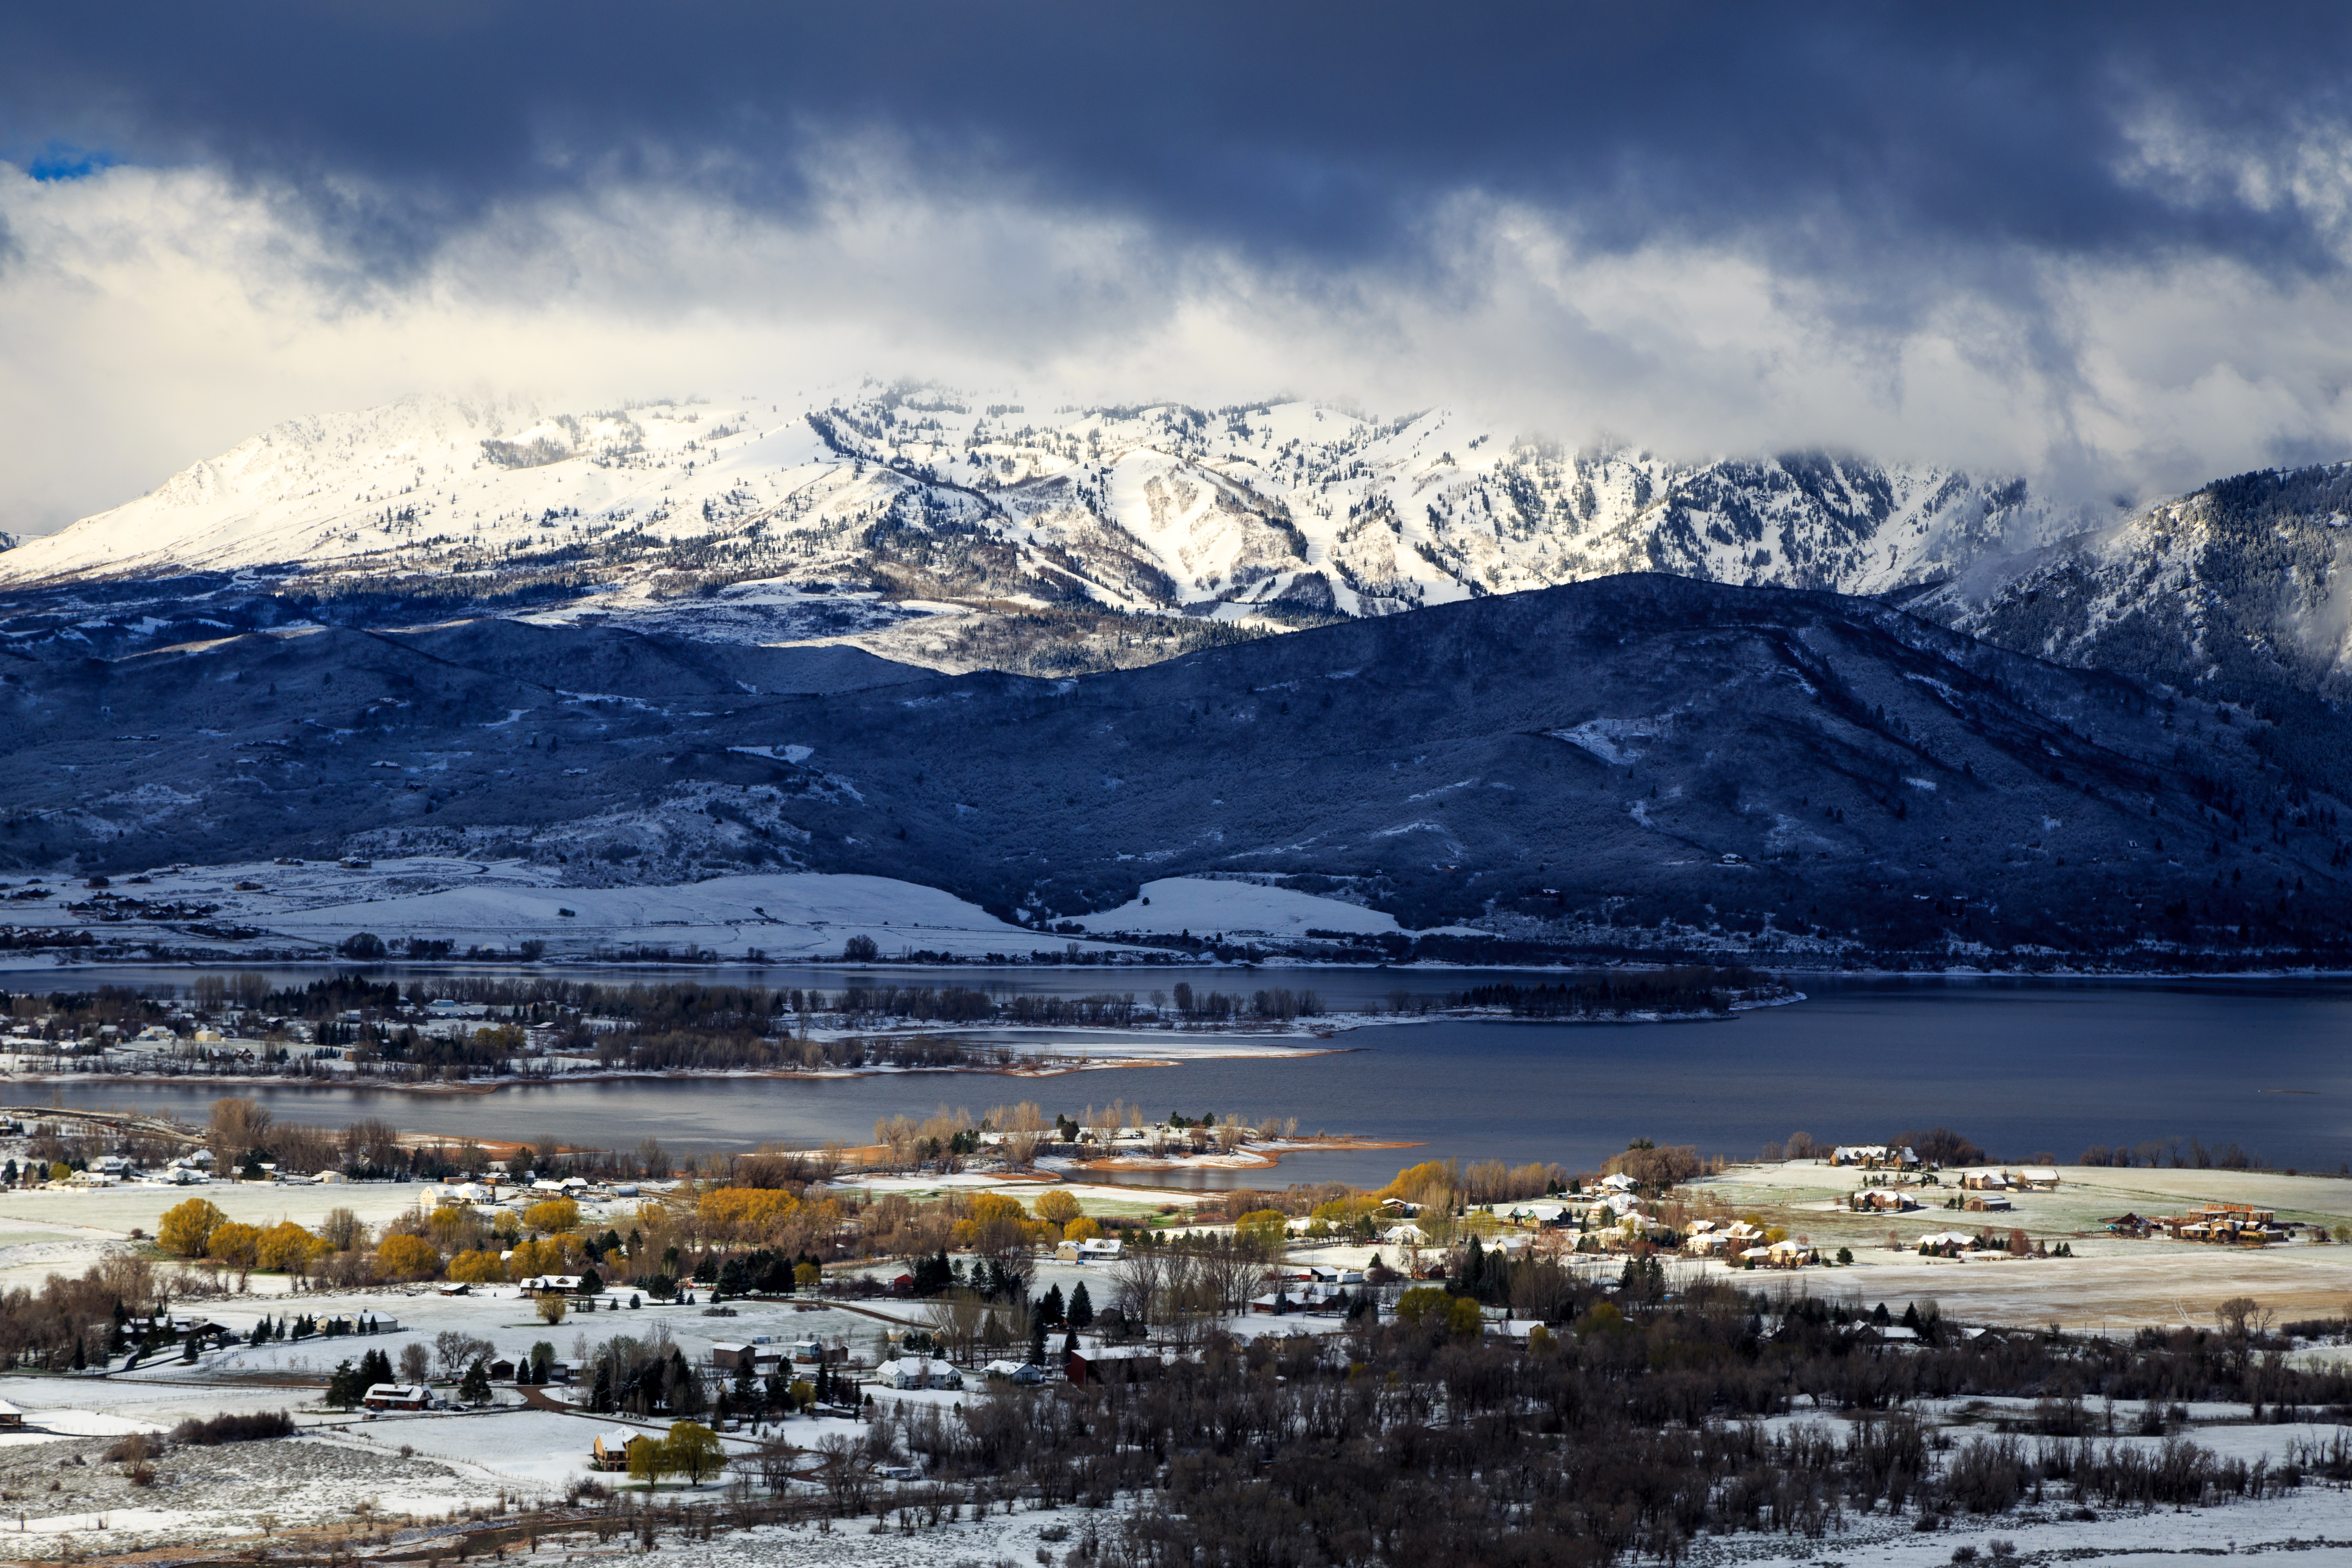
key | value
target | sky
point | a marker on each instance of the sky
(2105, 247)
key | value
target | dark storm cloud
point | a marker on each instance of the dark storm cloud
(1851, 140)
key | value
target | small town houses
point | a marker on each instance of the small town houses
(1875, 1156)
(1880, 1200)
(2224, 1224)
(2031, 1178)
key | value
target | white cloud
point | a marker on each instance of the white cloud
(149, 317)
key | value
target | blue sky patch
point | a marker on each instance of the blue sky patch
(59, 162)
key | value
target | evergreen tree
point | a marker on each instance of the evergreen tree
(1049, 1308)
(374, 1367)
(600, 1395)
(474, 1388)
(1037, 1339)
(684, 1388)
(1081, 1312)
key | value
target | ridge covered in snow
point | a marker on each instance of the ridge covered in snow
(1281, 511)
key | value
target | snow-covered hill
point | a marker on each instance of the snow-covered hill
(1281, 511)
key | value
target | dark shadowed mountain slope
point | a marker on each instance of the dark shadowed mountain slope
(1641, 763)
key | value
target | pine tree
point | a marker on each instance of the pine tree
(1037, 1339)
(474, 1388)
(1081, 1312)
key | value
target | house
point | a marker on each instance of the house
(501, 1370)
(1881, 1200)
(1327, 1274)
(1987, 1203)
(917, 1371)
(1538, 1214)
(1617, 1181)
(550, 1284)
(1307, 1298)
(1024, 1373)
(1094, 1249)
(394, 1396)
(1105, 1365)
(11, 1417)
(1875, 1156)
(1884, 1334)
(454, 1287)
(1406, 1235)
(2238, 1224)
(1788, 1254)
(1985, 1181)
(2129, 1224)
(1945, 1243)
(2041, 1178)
(610, 1451)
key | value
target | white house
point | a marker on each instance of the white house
(1617, 1181)
(1021, 1372)
(1094, 1249)
(917, 1371)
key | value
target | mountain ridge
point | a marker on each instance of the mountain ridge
(1267, 515)
(1639, 765)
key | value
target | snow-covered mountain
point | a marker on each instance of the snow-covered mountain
(2232, 586)
(1283, 512)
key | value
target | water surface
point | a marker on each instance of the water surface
(2024, 1068)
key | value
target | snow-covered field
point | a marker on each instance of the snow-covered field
(801, 917)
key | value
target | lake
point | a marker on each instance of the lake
(2023, 1067)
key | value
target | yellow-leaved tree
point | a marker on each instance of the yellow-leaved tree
(477, 1267)
(1057, 1207)
(407, 1257)
(553, 1218)
(186, 1228)
(746, 1209)
(236, 1244)
(288, 1248)
(694, 1450)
